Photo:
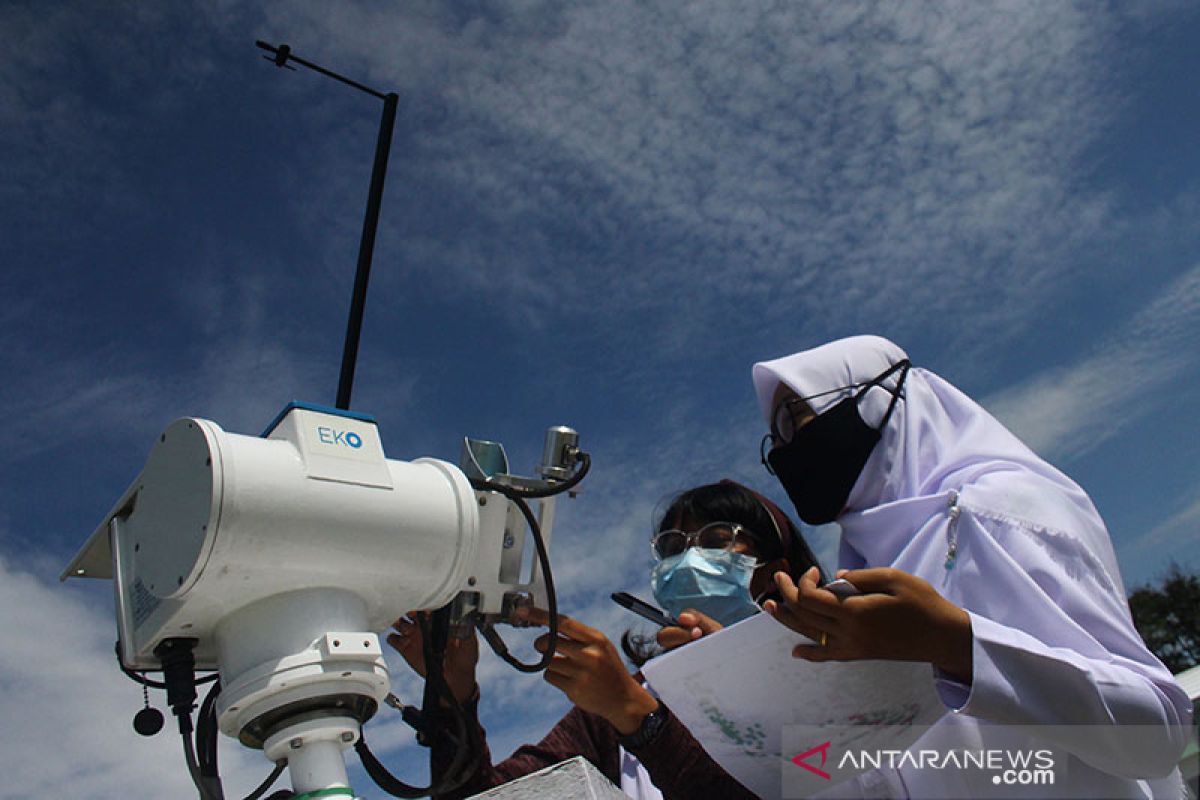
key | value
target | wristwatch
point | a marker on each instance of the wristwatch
(648, 731)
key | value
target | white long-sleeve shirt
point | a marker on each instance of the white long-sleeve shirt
(951, 496)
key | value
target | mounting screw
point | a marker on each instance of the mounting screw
(347, 736)
(296, 743)
(483, 501)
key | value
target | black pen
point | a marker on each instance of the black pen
(643, 609)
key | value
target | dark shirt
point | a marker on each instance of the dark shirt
(677, 764)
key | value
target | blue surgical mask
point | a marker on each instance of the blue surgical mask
(713, 582)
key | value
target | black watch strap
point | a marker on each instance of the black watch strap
(648, 731)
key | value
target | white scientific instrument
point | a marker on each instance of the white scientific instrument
(278, 559)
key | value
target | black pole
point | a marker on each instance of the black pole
(366, 249)
(281, 55)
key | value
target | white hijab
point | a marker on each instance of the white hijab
(937, 440)
(1037, 573)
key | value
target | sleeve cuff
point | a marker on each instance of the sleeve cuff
(952, 692)
(955, 694)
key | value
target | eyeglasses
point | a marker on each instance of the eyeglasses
(790, 416)
(714, 536)
(794, 413)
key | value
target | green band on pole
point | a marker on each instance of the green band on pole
(337, 791)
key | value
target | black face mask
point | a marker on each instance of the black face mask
(820, 465)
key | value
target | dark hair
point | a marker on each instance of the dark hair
(774, 535)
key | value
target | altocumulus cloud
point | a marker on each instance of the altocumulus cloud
(925, 152)
(67, 708)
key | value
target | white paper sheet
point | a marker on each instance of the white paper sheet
(736, 689)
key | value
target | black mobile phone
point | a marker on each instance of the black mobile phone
(842, 588)
(642, 609)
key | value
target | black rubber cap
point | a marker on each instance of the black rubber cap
(148, 721)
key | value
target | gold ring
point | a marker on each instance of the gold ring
(824, 638)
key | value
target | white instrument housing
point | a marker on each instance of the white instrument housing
(284, 555)
(217, 521)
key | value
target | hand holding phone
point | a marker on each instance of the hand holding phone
(842, 588)
(643, 609)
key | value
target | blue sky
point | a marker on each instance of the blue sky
(597, 214)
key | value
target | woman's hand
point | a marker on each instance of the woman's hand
(588, 670)
(898, 617)
(458, 665)
(692, 625)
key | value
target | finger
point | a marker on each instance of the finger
(673, 636)
(576, 630)
(565, 667)
(405, 622)
(560, 682)
(689, 623)
(534, 616)
(813, 626)
(841, 573)
(405, 619)
(878, 580)
(404, 640)
(562, 646)
(808, 618)
(567, 626)
(812, 652)
(787, 587)
(812, 598)
(691, 618)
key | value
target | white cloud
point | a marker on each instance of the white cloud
(1067, 411)
(828, 164)
(68, 709)
(851, 155)
(631, 167)
(1176, 537)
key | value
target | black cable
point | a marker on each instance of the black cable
(467, 747)
(189, 754)
(280, 766)
(435, 636)
(378, 773)
(144, 681)
(207, 750)
(518, 496)
(178, 659)
(206, 735)
(489, 633)
(396, 787)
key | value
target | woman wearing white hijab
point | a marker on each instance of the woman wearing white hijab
(975, 555)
